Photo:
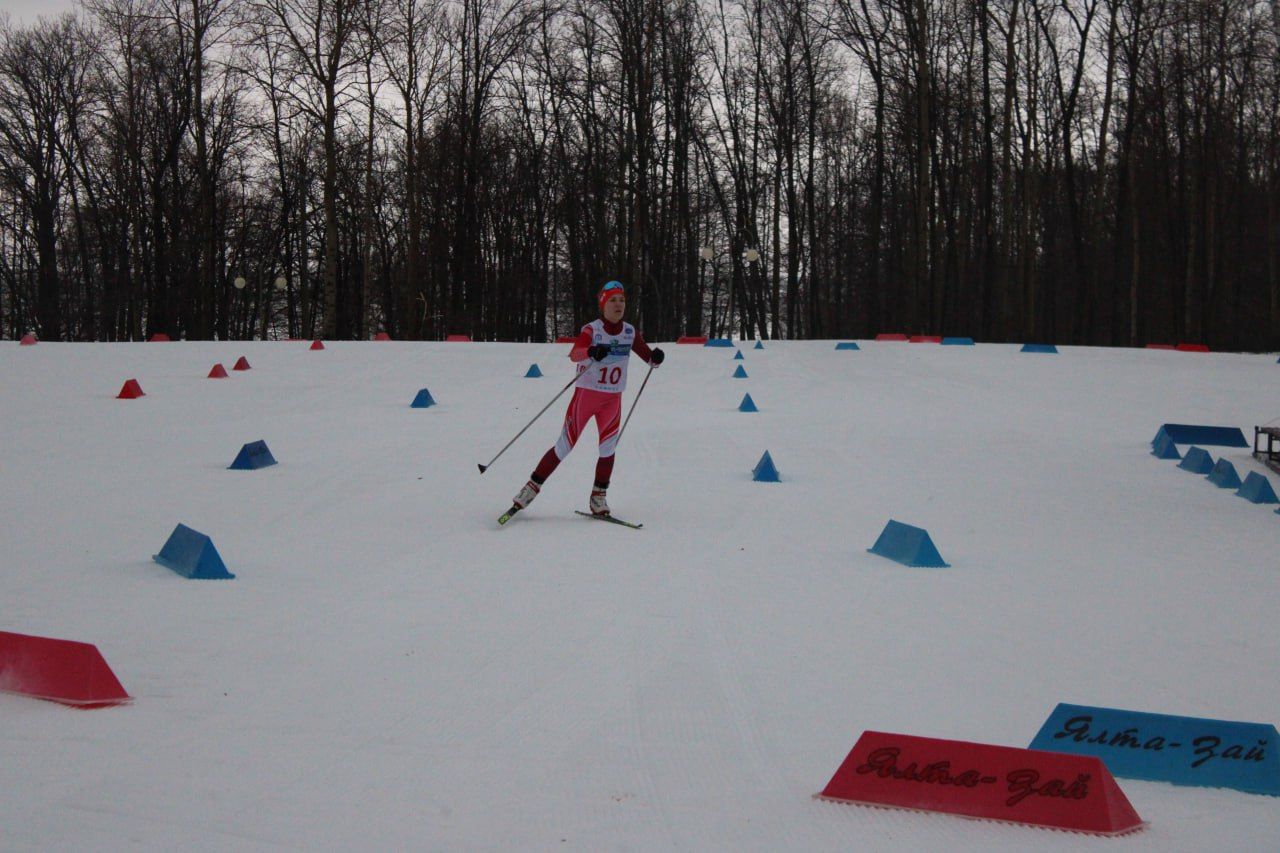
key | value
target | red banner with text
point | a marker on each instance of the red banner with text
(1048, 789)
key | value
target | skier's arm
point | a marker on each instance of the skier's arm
(580, 345)
(640, 348)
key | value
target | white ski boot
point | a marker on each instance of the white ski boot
(526, 495)
(599, 506)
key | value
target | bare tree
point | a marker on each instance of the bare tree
(38, 66)
(317, 44)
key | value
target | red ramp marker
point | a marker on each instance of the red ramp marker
(458, 339)
(58, 670)
(131, 390)
(1054, 790)
(382, 336)
(160, 338)
(317, 344)
(241, 364)
(217, 372)
(28, 340)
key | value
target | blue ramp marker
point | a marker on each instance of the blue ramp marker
(1224, 475)
(1257, 489)
(1163, 447)
(1197, 461)
(737, 356)
(1166, 748)
(765, 471)
(908, 545)
(423, 400)
(534, 372)
(718, 342)
(1039, 348)
(192, 555)
(957, 342)
(1215, 436)
(847, 345)
(252, 456)
(747, 404)
(740, 373)
(759, 345)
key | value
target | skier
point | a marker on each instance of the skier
(601, 352)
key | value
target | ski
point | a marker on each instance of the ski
(506, 516)
(611, 519)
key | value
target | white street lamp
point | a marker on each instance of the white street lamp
(706, 253)
(751, 255)
(240, 282)
(281, 283)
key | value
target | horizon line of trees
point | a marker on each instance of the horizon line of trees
(1077, 171)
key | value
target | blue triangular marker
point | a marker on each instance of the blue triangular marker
(765, 471)
(533, 372)
(253, 456)
(737, 356)
(1039, 348)
(747, 404)
(1224, 475)
(1257, 489)
(1197, 461)
(192, 555)
(1164, 448)
(908, 545)
(740, 373)
(1217, 436)
(423, 400)
(759, 345)
(847, 345)
(957, 342)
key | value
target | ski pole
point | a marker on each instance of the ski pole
(633, 402)
(484, 468)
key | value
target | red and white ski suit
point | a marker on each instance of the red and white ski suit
(597, 394)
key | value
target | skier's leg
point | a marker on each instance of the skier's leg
(608, 421)
(573, 423)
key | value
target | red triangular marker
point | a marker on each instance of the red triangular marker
(58, 670)
(131, 391)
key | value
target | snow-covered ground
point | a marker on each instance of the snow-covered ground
(390, 669)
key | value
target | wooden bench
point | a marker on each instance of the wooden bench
(1271, 454)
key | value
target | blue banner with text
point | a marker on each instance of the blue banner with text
(1165, 748)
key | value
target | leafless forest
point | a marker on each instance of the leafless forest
(1068, 171)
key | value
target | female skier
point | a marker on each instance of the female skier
(601, 351)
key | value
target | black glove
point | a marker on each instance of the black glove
(598, 352)
(656, 357)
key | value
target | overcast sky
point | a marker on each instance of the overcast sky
(26, 11)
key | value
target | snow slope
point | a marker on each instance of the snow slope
(392, 670)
